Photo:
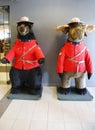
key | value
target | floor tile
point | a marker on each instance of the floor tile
(6, 124)
(55, 125)
(13, 110)
(56, 112)
(38, 125)
(89, 126)
(40, 111)
(73, 126)
(49, 93)
(21, 124)
(26, 110)
(85, 113)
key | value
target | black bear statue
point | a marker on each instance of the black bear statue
(27, 57)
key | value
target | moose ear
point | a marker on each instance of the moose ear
(63, 28)
(90, 27)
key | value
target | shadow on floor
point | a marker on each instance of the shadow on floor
(4, 103)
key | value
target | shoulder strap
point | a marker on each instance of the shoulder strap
(27, 52)
(78, 53)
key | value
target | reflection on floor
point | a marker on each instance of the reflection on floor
(4, 89)
(48, 113)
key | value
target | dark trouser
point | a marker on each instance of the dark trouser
(31, 79)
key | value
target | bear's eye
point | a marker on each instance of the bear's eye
(19, 24)
(25, 23)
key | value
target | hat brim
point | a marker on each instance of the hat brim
(25, 22)
(74, 23)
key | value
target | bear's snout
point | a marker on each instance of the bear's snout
(23, 29)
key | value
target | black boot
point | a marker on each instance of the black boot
(35, 91)
(15, 90)
(81, 91)
(63, 90)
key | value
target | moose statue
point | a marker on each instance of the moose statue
(74, 59)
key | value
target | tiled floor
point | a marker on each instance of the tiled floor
(49, 114)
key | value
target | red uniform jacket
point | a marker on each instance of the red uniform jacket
(74, 58)
(22, 60)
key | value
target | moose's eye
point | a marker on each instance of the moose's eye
(83, 27)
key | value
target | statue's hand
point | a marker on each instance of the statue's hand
(89, 75)
(41, 61)
(60, 75)
(4, 61)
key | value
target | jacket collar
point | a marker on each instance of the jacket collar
(74, 42)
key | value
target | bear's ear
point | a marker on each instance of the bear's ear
(90, 27)
(63, 28)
